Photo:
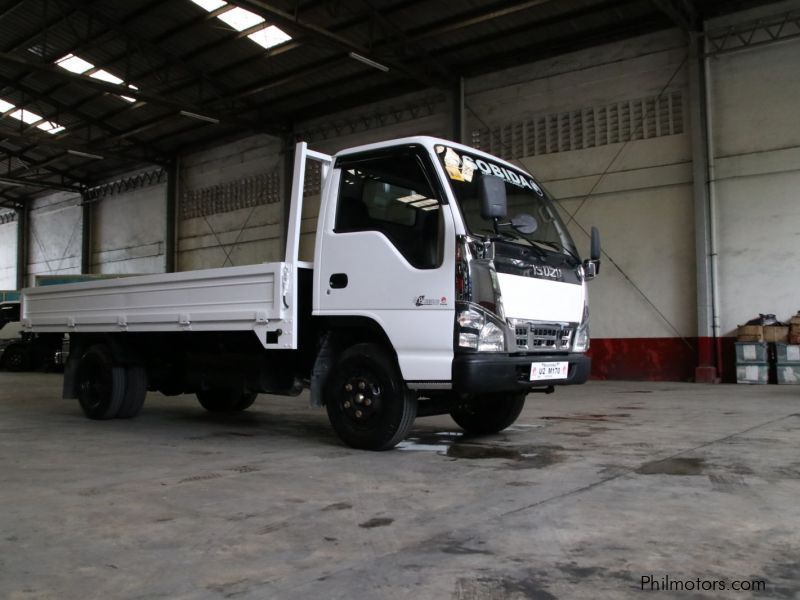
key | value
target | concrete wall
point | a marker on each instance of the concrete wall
(8, 255)
(756, 147)
(54, 238)
(231, 208)
(128, 231)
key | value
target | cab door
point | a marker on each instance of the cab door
(387, 253)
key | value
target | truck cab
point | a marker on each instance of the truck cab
(463, 264)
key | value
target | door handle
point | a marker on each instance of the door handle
(338, 280)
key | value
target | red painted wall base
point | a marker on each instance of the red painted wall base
(663, 359)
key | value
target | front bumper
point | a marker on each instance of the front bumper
(485, 373)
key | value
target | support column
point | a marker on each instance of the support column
(459, 112)
(86, 236)
(707, 359)
(171, 208)
(22, 243)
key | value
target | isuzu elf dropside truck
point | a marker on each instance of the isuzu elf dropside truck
(443, 281)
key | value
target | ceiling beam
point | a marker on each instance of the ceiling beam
(296, 27)
(35, 96)
(554, 47)
(681, 12)
(31, 164)
(66, 145)
(476, 17)
(110, 88)
(45, 185)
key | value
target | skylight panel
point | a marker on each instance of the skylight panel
(30, 118)
(78, 65)
(73, 63)
(51, 127)
(210, 5)
(240, 19)
(106, 76)
(269, 37)
(25, 116)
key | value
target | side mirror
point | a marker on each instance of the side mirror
(591, 266)
(494, 204)
(595, 249)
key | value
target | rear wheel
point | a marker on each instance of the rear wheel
(222, 400)
(135, 392)
(16, 358)
(367, 401)
(101, 383)
(488, 413)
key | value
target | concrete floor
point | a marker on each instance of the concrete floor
(569, 503)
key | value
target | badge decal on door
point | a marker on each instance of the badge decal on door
(423, 301)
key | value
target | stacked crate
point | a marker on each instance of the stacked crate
(788, 364)
(752, 362)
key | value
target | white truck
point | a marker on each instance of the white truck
(423, 298)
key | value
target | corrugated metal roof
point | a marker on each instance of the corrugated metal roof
(200, 80)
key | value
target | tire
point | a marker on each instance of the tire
(368, 404)
(135, 392)
(491, 413)
(16, 358)
(222, 400)
(100, 383)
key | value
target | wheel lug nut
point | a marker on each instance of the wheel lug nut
(361, 385)
(359, 414)
(347, 404)
(348, 387)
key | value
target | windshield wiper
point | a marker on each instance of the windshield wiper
(558, 246)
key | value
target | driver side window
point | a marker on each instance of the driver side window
(391, 195)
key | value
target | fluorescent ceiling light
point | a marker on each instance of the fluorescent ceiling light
(368, 61)
(5, 106)
(85, 154)
(81, 66)
(242, 19)
(192, 115)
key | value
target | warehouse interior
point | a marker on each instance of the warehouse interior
(157, 137)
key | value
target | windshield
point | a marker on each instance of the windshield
(525, 197)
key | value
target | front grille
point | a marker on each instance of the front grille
(543, 337)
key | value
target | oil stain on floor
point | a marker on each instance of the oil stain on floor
(673, 466)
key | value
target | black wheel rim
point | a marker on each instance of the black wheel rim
(361, 398)
(15, 359)
(95, 383)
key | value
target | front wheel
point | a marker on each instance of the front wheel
(367, 401)
(487, 414)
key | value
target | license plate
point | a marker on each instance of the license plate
(549, 370)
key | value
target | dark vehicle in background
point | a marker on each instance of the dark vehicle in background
(21, 351)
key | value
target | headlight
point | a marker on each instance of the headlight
(477, 330)
(491, 339)
(581, 339)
